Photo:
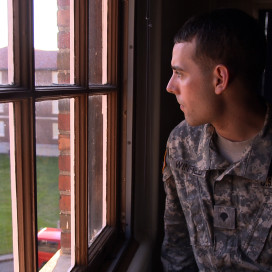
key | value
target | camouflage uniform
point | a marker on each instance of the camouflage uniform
(218, 216)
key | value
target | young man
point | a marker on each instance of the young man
(218, 172)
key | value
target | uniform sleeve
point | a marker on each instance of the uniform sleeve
(177, 253)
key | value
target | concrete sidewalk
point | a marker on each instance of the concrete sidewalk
(6, 258)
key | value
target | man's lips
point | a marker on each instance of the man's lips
(181, 105)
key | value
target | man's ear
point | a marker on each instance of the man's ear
(221, 78)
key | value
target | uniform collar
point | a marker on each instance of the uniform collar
(255, 163)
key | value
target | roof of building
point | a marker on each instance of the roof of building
(44, 60)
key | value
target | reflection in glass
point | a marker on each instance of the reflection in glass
(7, 192)
(98, 10)
(54, 189)
(6, 48)
(53, 50)
(97, 144)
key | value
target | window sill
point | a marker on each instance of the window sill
(58, 263)
(130, 257)
(141, 258)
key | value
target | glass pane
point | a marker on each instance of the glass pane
(98, 19)
(7, 193)
(6, 51)
(97, 144)
(54, 145)
(53, 49)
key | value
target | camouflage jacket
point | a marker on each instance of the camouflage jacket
(218, 216)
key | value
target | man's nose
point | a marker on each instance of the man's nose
(171, 86)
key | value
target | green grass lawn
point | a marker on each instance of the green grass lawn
(47, 192)
(5, 206)
(47, 198)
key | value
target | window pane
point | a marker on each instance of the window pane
(53, 49)
(97, 141)
(6, 51)
(54, 134)
(98, 10)
(7, 194)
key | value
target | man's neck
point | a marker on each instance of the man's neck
(242, 121)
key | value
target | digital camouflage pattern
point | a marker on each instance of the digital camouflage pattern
(218, 216)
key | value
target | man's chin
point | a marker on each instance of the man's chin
(193, 123)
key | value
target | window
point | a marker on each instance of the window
(55, 107)
(6, 42)
(54, 77)
(61, 149)
(7, 195)
(97, 128)
(2, 129)
(55, 131)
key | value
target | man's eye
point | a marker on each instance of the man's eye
(178, 73)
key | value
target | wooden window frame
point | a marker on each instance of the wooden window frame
(23, 94)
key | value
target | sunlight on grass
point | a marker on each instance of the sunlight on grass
(47, 198)
(47, 192)
(5, 206)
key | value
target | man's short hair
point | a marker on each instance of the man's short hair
(229, 37)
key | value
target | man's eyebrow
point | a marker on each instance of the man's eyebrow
(176, 68)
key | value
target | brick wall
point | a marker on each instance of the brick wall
(64, 176)
(63, 59)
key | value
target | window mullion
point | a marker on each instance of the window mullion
(23, 43)
(112, 160)
(80, 46)
(81, 42)
(81, 163)
(112, 42)
(25, 180)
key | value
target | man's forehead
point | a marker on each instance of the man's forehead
(182, 52)
(187, 47)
